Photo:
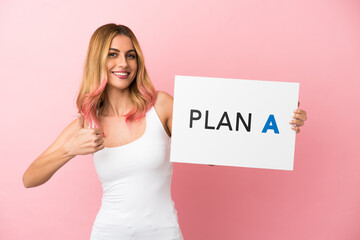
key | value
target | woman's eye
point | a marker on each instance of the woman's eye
(112, 55)
(131, 56)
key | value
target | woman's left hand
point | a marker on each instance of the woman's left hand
(298, 119)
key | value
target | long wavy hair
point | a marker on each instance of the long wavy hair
(92, 90)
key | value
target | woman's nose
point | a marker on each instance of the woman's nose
(122, 61)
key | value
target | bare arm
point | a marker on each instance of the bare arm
(73, 140)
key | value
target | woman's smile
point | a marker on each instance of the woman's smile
(121, 74)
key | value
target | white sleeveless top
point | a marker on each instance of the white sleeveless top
(136, 181)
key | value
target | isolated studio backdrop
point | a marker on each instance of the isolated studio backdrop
(43, 45)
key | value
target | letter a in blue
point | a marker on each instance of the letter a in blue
(271, 124)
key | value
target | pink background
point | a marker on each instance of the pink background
(315, 42)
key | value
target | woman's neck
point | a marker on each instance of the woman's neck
(116, 103)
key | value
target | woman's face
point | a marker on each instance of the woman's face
(121, 63)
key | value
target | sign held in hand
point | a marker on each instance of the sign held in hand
(233, 122)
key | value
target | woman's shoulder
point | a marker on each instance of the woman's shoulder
(163, 105)
(163, 98)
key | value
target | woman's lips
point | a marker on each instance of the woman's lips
(121, 74)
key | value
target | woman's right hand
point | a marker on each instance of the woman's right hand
(83, 140)
(74, 140)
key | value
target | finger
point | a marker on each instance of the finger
(297, 122)
(81, 120)
(296, 129)
(299, 111)
(99, 147)
(299, 116)
(99, 142)
(97, 131)
(99, 139)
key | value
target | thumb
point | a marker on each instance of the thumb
(81, 120)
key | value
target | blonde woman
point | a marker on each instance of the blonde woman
(126, 125)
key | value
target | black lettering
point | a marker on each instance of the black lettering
(247, 126)
(227, 123)
(206, 121)
(192, 111)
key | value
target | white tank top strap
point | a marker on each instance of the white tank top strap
(154, 124)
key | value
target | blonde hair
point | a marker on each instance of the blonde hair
(92, 90)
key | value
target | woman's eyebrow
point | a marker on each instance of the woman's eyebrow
(117, 50)
(114, 49)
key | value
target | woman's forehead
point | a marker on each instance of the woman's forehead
(121, 42)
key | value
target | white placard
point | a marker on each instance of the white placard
(234, 122)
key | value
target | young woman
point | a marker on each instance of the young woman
(126, 125)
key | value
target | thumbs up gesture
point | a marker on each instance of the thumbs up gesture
(82, 141)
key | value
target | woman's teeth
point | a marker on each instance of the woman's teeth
(121, 74)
